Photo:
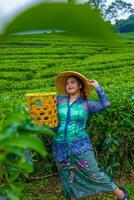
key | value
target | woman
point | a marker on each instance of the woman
(71, 146)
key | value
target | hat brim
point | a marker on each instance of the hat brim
(61, 79)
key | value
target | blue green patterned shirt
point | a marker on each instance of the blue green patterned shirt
(71, 136)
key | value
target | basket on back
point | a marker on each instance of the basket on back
(43, 108)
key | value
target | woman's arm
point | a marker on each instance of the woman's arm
(103, 103)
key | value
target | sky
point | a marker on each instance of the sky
(9, 8)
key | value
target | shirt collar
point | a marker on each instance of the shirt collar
(73, 101)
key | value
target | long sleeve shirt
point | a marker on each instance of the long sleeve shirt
(71, 136)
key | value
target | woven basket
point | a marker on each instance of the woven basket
(43, 108)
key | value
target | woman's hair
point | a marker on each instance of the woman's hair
(82, 89)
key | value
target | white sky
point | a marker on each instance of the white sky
(9, 8)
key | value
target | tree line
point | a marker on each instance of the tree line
(111, 12)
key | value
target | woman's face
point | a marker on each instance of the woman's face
(72, 86)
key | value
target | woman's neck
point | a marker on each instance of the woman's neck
(74, 97)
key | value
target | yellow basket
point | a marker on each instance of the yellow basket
(43, 108)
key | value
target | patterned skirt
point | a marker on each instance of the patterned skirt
(80, 176)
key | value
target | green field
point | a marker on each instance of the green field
(30, 63)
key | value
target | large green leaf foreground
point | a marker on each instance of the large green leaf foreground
(78, 19)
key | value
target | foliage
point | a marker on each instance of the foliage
(30, 63)
(72, 18)
(113, 138)
(17, 135)
(113, 10)
(98, 4)
(117, 8)
(125, 25)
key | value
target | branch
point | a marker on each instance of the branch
(44, 177)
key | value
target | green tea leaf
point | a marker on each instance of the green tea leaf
(30, 142)
(72, 18)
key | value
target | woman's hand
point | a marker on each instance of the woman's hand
(93, 83)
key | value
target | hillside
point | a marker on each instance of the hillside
(30, 63)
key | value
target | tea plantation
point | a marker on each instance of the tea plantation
(30, 63)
